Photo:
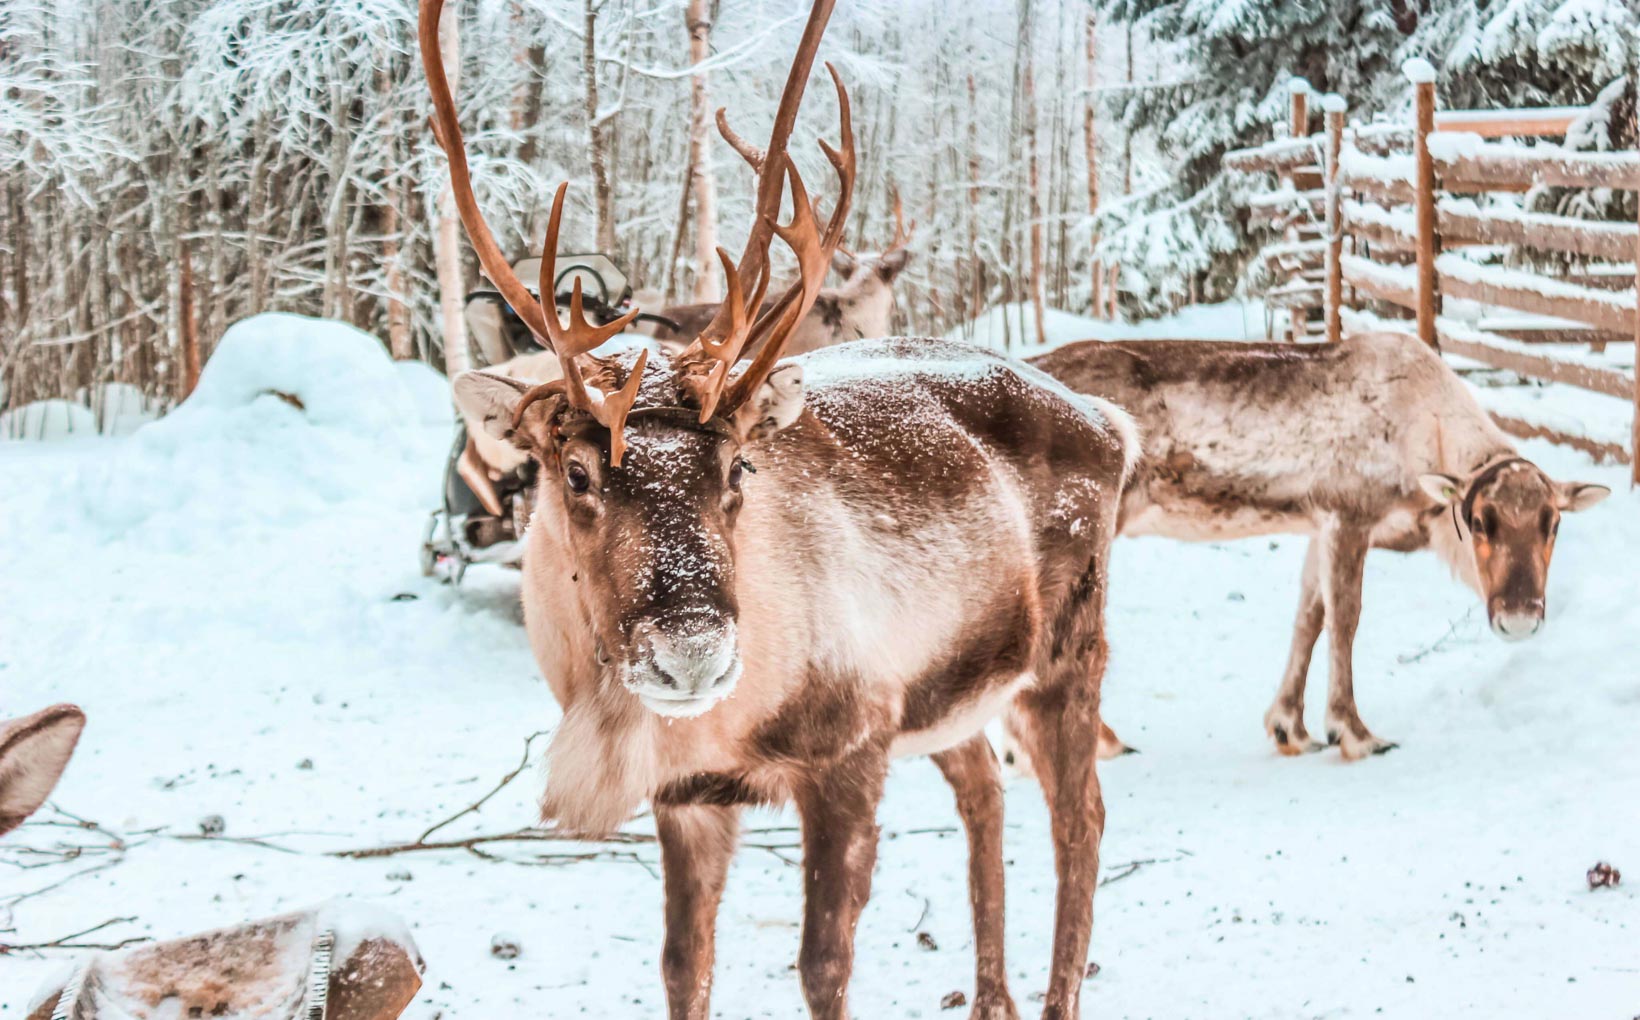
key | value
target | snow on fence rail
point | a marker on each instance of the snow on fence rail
(1294, 267)
(1401, 197)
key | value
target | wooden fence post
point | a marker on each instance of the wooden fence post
(1298, 126)
(1335, 106)
(1422, 76)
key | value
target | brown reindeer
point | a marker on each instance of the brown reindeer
(923, 542)
(34, 750)
(862, 308)
(1369, 443)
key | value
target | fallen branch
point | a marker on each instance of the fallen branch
(1132, 867)
(66, 941)
(475, 805)
(1408, 659)
(552, 835)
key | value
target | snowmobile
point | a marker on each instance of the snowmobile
(486, 507)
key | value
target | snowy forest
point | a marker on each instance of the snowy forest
(171, 167)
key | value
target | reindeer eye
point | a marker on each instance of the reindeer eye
(737, 470)
(576, 477)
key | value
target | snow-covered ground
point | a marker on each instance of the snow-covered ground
(233, 596)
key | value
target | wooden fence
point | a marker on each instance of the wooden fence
(1408, 231)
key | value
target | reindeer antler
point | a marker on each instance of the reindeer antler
(728, 334)
(567, 342)
(902, 235)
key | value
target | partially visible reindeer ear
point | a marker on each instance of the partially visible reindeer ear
(1574, 496)
(776, 404)
(1443, 489)
(892, 264)
(34, 750)
(489, 401)
(843, 263)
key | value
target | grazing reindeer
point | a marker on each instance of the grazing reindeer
(925, 540)
(862, 308)
(1369, 443)
(34, 750)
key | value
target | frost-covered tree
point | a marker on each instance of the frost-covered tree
(1187, 237)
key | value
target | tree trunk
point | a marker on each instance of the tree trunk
(708, 279)
(597, 139)
(1090, 138)
(1035, 181)
(451, 288)
(187, 324)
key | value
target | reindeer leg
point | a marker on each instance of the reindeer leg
(838, 811)
(1059, 715)
(1284, 722)
(697, 842)
(971, 769)
(1344, 560)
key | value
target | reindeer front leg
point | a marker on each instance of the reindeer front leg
(697, 842)
(1344, 561)
(971, 769)
(838, 811)
(1284, 722)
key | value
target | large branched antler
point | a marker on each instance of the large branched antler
(567, 342)
(732, 331)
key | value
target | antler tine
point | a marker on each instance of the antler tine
(725, 350)
(902, 235)
(580, 336)
(749, 152)
(611, 410)
(814, 253)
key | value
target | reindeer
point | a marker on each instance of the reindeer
(924, 541)
(862, 308)
(1369, 443)
(34, 750)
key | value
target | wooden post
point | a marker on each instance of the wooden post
(1335, 107)
(1422, 76)
(1298, 126)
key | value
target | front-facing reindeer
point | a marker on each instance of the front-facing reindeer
(923, 543)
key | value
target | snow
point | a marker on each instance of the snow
(1232, 320)
(429, 392)
(1332, 102)
(341, 375)
(258, 643)
(48, 419)
(1564, 409)
(1299, 86)
(1418, 71)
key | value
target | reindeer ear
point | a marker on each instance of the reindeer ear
(488, 401)
(892, 264)
(776, 404)
(1574, 496)
(1443, 489)
(34, 751)
(844, 263)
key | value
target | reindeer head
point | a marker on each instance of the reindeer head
(34, 750)
(1507, 514)
(642, 457)
(867, 293)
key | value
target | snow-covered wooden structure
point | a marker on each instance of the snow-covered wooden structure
(1412, 227)
(1294, 266)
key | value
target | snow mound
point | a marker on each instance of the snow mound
(1332, 102)
(48, 419)
(429, 392)
(335, 374)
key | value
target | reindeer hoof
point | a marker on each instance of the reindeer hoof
(1355, 748)
(1292, 742)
